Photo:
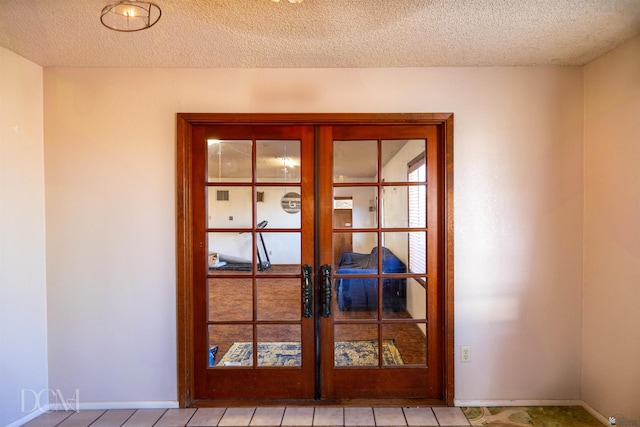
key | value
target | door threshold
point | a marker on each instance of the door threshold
(225, 403)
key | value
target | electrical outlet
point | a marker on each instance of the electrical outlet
(465, 353)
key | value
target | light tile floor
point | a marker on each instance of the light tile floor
(257, 417)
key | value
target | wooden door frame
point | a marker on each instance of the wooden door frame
(184, 237)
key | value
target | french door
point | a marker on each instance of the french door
(314, 260)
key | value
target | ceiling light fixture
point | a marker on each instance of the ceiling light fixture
(128, 16)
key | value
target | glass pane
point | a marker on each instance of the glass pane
(230, 253)
(345, 169)
(278, 161)
(355, 254)
(230, 299)
(279, 345)
(394, 297)
(279, 207)
(356, 345)
(356, 298)
(406, 252)
(230, 345)
(279, 299)
(349, 248)
(229, 161)
(280, 252)
(363, 214)
(395, 207)
(404, 206)
(396, 251)
(410, 303)
(401, 156)
(404, 344)
(229, 207)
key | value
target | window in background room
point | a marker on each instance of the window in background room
(417, 172)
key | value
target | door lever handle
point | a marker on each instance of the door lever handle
(307, 291)
(326, 290)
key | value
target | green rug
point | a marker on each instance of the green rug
(347, 353)
(544, 416)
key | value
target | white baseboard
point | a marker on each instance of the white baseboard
(604, 420)
(157, 404)
(507, 402)
(28, 417)
(487, 403)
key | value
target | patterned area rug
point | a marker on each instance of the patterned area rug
(347, 353)
(365, 353)
(547, 416)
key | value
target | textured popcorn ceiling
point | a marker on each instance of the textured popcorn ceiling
(323, 33)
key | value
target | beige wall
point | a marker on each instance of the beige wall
(23, 311)
(110, 193)
(611, 323)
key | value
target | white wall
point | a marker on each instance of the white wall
(611, 324)
(23, 323)
(110, 174)
(518, 231)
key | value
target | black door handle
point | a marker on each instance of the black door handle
(307, 291)
(326, 290)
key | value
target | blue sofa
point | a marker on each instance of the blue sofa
(360, 294)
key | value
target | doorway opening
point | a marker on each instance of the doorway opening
(315, 258)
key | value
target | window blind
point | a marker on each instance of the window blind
(417, 217)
